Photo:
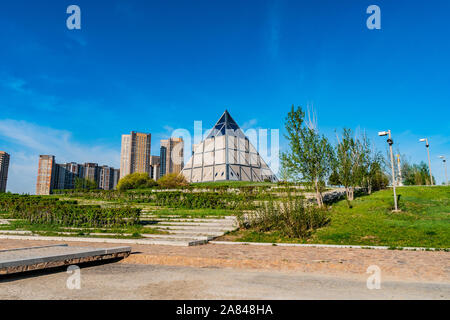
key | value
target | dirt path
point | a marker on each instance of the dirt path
(129, 281)
(395, 265)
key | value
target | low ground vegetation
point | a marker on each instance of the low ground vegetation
(51, 211)
(424, 221)
(293, 218)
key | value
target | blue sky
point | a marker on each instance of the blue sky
(154, 66)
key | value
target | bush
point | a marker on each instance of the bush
(136, 181)
(40, 210)
(203, 200)
(292, 218)
(173, 180)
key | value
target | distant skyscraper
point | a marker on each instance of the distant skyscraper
(172, 153)
(54, 176)
(4, 165)
(106, 178)
(92, 172)
(155, 167)
(135, 153)
(46, 175)
(162, 157)
(116, 178)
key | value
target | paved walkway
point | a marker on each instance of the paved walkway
(395, 265)
(130, 281)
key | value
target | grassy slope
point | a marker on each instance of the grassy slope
(423, 222)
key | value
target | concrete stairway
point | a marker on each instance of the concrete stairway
(189, 229)
(175, 230)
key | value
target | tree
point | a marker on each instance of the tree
(416, 174)
(333, 180)
(172, 180)
(135, 181)
(310, 156)
(373, 178)
(284, 175)
(85, 184)
(350, 157)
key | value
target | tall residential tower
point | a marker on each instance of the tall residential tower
(171, 156)
(4, 165)
(135, 153)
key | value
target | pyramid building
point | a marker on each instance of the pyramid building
(226, 155)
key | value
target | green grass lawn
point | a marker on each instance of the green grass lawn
(423, 222)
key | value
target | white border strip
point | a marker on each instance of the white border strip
(322, 245)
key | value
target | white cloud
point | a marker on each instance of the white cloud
(26, 141)
(249, 124)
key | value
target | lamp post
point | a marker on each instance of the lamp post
(391, 142)
(429, 161)
(445, 166)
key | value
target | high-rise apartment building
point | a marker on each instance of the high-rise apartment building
(163, 158)
(46, 175)
(92, 172)
(4, 166)
(135, 153)
(106, 178)
(172, 156)
(54, 176)
(116, 177)
(155, 165)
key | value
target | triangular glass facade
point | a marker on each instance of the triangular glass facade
(226, 154)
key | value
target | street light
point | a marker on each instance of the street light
(445, 166)
(391, 142)
(429, 161)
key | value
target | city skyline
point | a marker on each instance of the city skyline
(65, 92)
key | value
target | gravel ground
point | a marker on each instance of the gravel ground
(128, 281)
(240, 272)
(395, 265)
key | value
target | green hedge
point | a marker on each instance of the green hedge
(41, 210)
(204, 200)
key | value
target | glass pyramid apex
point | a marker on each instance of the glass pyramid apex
(226, 126)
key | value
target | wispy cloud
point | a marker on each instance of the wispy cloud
(26, 141)
(21, 87)
(15, 84)
(76, 38)
(250, 124)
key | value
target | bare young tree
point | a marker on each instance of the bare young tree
(310, 156)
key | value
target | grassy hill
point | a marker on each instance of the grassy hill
(423, 222)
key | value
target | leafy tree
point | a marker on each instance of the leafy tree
(373, 178)
(310, 157)
(172, 180)
(284, 175)
(333, 180)
(135, 181)
(85, 184)
(416, 174)
(350, 157)
(357, 164)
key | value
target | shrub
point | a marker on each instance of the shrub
(42, 210)
(203, 200)
(136, 181)
(292, 218)
(173, 180)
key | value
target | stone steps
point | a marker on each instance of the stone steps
(194, 220)
(198, 224)
(178, 231)
(168, 228)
